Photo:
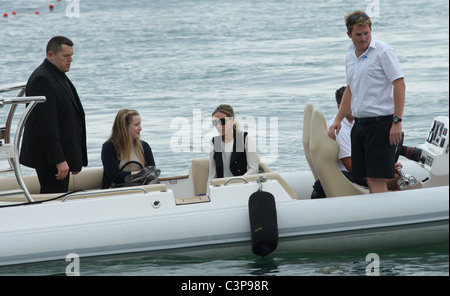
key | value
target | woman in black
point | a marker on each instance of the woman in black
(233, 152)
(124, 145)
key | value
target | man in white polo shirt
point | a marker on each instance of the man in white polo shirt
(375, 95)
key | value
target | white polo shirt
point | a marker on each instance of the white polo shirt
(370, 78)
(344, 141)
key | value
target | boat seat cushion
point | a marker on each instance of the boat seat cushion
(88, 178)
(200, 172)
(31, 181)
(324, 155)
(306, 136)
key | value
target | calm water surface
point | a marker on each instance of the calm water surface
(175, 61)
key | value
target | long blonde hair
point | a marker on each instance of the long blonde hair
(120, 136)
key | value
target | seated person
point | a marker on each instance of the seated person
(233, 152)
(124, 145)
(345, 153)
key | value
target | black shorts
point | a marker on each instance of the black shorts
(372, 154)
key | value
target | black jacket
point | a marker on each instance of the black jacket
(56, 129)
(238, 161)
(111, 170)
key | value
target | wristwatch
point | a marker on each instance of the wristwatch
(396, 119)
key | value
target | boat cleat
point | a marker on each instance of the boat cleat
(407, 182)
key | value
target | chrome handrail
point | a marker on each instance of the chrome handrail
(235, 179)
(14, 101)
(21, 100)
(103, 191)
(18, 86)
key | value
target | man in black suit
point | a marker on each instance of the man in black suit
(54, 140)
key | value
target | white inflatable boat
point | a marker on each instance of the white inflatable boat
(175, 216)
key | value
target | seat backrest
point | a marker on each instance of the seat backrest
(306, 136)
(324, 155)
(200, 172)
(88, 178)
(31, 181)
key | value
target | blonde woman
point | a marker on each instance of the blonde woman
(233, 152)
(124, 145)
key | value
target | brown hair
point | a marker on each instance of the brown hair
(359, 18)
(339, 93)
(225, 109)
(228, 111)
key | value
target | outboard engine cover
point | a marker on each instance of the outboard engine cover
(263, 222)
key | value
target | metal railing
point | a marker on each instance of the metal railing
(5, 131)
(10, 150)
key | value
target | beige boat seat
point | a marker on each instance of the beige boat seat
(200, 173)
(306, 136)
(324, 154)
(31, 181)
(88, 178)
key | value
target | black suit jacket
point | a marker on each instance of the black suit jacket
(55, 130)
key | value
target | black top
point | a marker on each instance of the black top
(238, 161)
(111, 170)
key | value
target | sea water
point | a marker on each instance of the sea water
(175, 61)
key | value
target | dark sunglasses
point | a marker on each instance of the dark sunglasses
(220, 121)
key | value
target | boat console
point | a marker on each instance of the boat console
(432, 155)
(435, 149)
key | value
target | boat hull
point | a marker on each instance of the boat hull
(152, 223)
